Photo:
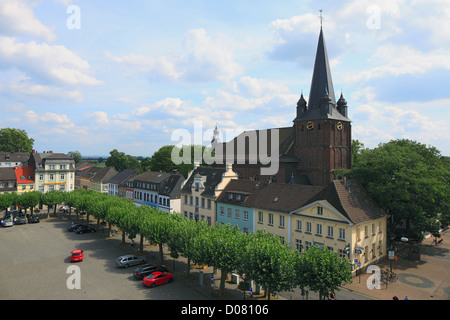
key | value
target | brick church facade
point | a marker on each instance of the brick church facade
(309, 152)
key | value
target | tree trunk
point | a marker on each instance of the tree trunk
(161, 254)
(141, 244)
(222, 282)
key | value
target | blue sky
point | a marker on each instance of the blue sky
(131, 72)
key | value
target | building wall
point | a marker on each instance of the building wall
(329, 228)
(240, 216)
(276, 223)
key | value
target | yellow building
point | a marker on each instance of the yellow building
(343, 219)
(340, 217)
(25, 179)
(201, 189)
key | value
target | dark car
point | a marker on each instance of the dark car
(145, 270)
(34, 220)
(74, 226)
(85, 229)
(20, 220)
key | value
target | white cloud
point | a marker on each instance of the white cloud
(396, 60)
(54, 63)
(203, 59)
(16, 18)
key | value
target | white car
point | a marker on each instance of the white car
(8, 223)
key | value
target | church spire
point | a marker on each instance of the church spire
(321, 80)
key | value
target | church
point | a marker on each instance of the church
(311, 150)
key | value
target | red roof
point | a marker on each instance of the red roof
(24, 175)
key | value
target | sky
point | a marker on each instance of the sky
(96, 75)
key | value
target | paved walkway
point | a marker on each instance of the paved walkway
(424, 279)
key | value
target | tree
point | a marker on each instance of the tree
(29, 200)
(51, 199)
(15, 140)
(322, 271)
(121, 161)
(155, 227)
(410, 181)
(269, 261)
(76, 156)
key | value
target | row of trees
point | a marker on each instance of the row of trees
(263, 257)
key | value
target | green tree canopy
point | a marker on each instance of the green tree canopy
(15, 140)
(409, 180)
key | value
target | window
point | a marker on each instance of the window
(203, 202)
(245, 215)
(41, 177)
(237, 214)
(341, 234)
(281, 221)
(196, 201)
(196, 186)
(208, 204)
(319, 230)
(229, 212)
(191, 200)
(222, 211)
(299, 225)
(330, 232)
(185, 199)
(62, 176)
(366, 234)
(298, 245)
(308, 227)
(308, 245)
(260, 217)
(271, 219)
(319, 210)
(245, 230)
(51, 176)
(62, 167)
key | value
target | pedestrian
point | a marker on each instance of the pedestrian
(331, 296)
(395, 298)
(132, 243)
(406, 298)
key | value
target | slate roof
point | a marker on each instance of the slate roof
(14, 157)
(172, 186)
(351, 200)
(279, 197)
(212, 177)
(122, 176)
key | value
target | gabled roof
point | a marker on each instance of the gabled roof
(24, 175)
(211, 177)
(122, 176)
(14, 156)
(351, 200)
(172, 186)
(279, 197)
(151, 176)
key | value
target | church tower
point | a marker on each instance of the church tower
(322, 127)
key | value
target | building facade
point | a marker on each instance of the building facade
(53, 171)
(201, 189)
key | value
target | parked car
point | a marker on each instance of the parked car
(34, 220)
(77, 255)
(129, 260)
(7, 223)
(85, 229)
(145, 270)
(157, 278)
(20, 220)
(74, 226)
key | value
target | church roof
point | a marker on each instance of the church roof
(322, 90)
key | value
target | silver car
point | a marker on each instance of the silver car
(129, 260)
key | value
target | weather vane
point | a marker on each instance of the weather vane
(321, 17)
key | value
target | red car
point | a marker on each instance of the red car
(77, 255)
(157, 278)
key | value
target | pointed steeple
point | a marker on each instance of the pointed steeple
(321, 79)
